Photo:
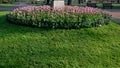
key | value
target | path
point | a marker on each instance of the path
(115, 14)
(7, 8)
(10, 8)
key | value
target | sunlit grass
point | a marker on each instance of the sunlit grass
(8, 5)
(24, 47)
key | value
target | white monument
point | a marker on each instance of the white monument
(58, 3)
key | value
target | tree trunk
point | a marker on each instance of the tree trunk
(69, 2)
(47, 2)
(118, 1)
(79, 1)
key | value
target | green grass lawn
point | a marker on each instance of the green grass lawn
(116, 6)
(26, 47)
(8, 5)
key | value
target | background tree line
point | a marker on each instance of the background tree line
(69, 2)
(32, 1)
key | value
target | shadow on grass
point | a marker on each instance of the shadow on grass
(9, 28)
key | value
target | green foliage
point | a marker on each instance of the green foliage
(7, 1)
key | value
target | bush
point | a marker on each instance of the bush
(67, 17)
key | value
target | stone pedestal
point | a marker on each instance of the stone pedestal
(58, 3)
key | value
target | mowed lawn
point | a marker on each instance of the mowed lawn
(115, 6)
(8, 5)
(26, 47)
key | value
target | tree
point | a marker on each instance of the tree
(118, 1)
(47, 2)
(79, 1)
(0, 1)
(69, 2)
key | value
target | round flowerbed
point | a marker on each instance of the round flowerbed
(67, 17)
